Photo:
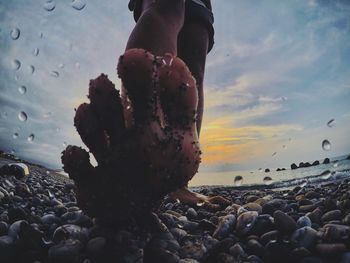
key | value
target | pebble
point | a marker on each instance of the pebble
(305, 237)
(245, 222)
(304, 221)
(331, 215)
(67, 251)
(225, 227)
(284, 223)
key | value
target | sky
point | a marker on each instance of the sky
(278, 72)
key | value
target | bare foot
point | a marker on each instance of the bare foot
(184, 195)
(140, 164)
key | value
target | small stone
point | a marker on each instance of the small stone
(253, 207)
(225, 227)
(330, 249)
(193, 247)
(67, 251)
(315, 215)
(50, 219)
(245, 222)
(7, 249)
(303, 221)
(70, 232)
(284, 223)
(312, 194)
(191, 213)
(95, 247)
(3, 228)
(305, 237)
(16, 213)
(331, 215)
(253, 247)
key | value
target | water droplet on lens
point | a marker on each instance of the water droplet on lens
(238, 180)
(61, 65)
(40, 34)
(78, 4)
(49, 5)
(16, 64)
(22, 89)
(36, 51)
(267, 180)
(47, 114)
(54, 74)
(331, 123)
(31, 137)
(31, 69)
(326, 145)
(77, 65)
(22, 116)
(274, 153)
(15, 33)
(326, 175)
(15, 135)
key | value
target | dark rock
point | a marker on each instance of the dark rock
(96, 248)
(301, 165)
(70, 232)
(245, 222)
(3, 228)
(278, 251)
(191, 213)
(263, 224)
(303, 221)
(67, 251)
(76, 218)
(50, 219)
(275, 204)
(330, 249)
(326, 161)
(253, 207)
(269, 236)
(312, 194)
(315, 163)
(16, 213)
(267, 170)
(305, 237)
(7, 249)
(331, 215)
(225, 227)
(205, 224)
(284, 223)
(307, 164)
(293, 166)
(253, 247)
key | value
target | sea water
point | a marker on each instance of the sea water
(338, 168)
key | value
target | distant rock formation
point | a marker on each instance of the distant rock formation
(326, 161)
(267, 170)
(315, 163)
(293, 166)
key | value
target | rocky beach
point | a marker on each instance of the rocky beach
(41, 222)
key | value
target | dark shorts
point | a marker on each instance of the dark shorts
(196, 11)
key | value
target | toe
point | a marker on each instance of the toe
(178, 92)
(105, 101)
(76, 163)
(137, 70)
(90, 131)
